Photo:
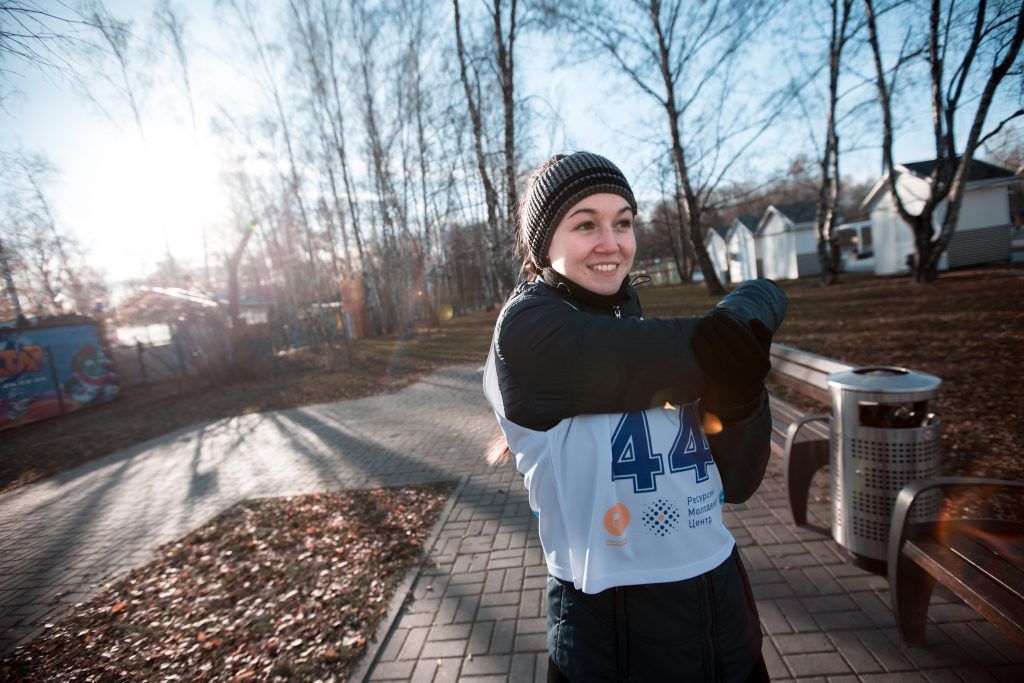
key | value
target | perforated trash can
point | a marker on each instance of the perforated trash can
(882, 437)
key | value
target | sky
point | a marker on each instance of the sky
(129, 197)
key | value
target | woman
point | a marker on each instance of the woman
(602, 410)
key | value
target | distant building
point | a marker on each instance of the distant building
(742, 250)
(788, 241)
(983, 233)
(718, 252)
(661, 271)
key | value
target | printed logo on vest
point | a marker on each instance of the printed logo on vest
(616, 519)
(661, 517)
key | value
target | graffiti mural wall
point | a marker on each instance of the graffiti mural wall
(47, 371)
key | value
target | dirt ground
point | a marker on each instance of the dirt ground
(277, 589)
(967, 328)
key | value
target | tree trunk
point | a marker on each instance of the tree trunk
(490, 194)
(693, 205)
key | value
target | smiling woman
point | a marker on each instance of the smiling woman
(141, 198)
(608, 415)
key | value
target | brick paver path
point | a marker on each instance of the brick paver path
(477, 610)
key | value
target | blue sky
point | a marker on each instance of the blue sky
(127, 198)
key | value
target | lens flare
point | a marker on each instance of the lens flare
(711, 423)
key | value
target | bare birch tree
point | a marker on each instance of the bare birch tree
(120, 44)
(40, 37)
(987, 36)
(43, 267)
(828, 194)
(681, 55)
(471, 88)
(170, 23)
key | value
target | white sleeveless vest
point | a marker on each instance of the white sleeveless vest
(622, 499)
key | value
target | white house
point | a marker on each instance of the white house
(789, 243)
(718, 253)
(983, 233)
(740, 245)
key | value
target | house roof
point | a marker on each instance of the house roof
(722, 230)
(798, 212)
(980, 170)
(750, 220)
(981, 173)
(165, 304)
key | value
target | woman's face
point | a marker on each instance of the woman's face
(594, 244)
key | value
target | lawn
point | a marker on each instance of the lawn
(967, 328)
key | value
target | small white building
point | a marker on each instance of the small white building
(742, 252)
(983, 233)
(718, 253)
(788, 241)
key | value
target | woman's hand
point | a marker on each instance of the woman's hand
(735, 357)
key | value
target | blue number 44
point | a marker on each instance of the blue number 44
(634, 458)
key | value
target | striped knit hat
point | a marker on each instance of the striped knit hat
(555, 190)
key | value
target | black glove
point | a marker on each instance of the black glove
(735, 357)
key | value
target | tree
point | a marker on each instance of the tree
(681, 55)
(473, 92)
(118, 42)
(828, 196)
(987, 36)
(43, 267)
(37, 36)
(169, 22)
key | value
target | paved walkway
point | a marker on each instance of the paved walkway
(477, 609)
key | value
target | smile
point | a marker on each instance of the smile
(604, 267)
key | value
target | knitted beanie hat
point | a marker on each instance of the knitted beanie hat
(558, 187)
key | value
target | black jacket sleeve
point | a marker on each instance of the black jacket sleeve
(741, 451)
(556, 362)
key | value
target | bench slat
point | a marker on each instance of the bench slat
(1011, 552)
(805, 375)
(822, 364)
(804, 372)
(783, 414)
(981, 556)
(984, 595)
(805, 388)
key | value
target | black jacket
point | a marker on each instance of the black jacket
(557, 357)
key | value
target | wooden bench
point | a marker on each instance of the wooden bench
(801, 439)
(980, 560)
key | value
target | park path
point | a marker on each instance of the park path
(476, 610)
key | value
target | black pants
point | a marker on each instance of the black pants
(758, 675)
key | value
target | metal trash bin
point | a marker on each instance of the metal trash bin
(882, 437)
